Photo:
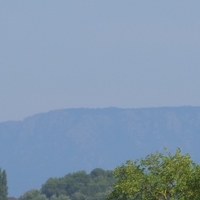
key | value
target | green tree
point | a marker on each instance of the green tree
(78, 196)
(80, 185)
(33, 195)
(61, 197)
(54, 186)
(3, 185)
(158, 177)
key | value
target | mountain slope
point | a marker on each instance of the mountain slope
(62, 141)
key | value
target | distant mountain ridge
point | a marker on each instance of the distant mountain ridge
(62, 141)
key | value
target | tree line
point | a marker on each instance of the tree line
(75, 186)
(158, 176)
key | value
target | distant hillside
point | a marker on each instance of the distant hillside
(58, 142)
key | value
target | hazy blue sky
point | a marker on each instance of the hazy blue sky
(129, 54)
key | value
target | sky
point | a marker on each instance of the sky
(96, 54)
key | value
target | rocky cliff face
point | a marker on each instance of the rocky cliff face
(63, 141)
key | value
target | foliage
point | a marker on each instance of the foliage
(61, 197)
(80, 185)
(33, 195)
(37, 195)
(3, 185)
(158, 177)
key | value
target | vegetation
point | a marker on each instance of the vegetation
(3, 185)
(80, 185)
(76, 186)
(33, 195)
(158, 177)
(37, 195)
